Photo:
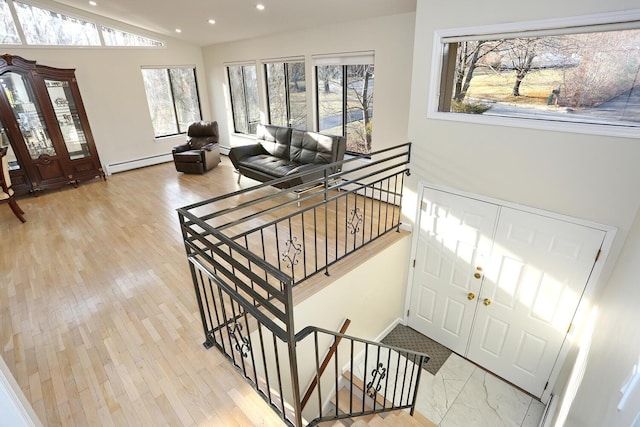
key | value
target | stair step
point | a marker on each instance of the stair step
(359, 384)
(399, 418)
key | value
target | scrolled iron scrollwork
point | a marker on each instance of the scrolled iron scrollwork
(290, 255)
(373, 386)
(355, 220)
(242, 343)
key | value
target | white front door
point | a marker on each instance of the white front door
(455, 235)
(534, 280)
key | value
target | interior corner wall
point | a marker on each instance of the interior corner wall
(390, 37)
(614, 349)
(585, 176)
(113, 93)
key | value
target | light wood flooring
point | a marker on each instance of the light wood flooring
(98, 319)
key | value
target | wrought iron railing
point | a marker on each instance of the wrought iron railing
(248, 249)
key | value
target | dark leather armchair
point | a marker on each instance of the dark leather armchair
(201, 151)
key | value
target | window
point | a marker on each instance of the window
(113, 37)
(243, 89)
(172, 95)
(45, 27)
(286, 94)
(8, 31)
(588, 76)
(344, 89)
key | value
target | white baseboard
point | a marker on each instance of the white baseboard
(137, 163)
(388, 329)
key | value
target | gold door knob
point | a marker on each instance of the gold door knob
(486, 301)
(477, 275)
(471, 296)
(479, 268)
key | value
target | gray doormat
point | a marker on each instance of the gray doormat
(405, 337)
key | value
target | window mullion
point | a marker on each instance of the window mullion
(344, 100)
(246, 100)
(173, 101)
(16, 22)
(286, 93)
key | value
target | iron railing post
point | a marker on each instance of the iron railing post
(293, 357)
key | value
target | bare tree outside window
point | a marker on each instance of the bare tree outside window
(286, 94)
(243, 90)
(277, 94)
(8, 31)
(172, 96)
(345, 103)
(113, 37)
(359, 108)
(297, 95)
(591, 77)
(45, 27)
(185, 96)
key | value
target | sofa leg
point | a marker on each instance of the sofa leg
(239, 176)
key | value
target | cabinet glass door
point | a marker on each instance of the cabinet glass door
(4, 142)
(28, 114)
(66, 113)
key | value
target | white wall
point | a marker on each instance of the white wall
(15, 410)
(113, 93)
(391, 38)
(371, 296)
(586, 176)
(614, 349)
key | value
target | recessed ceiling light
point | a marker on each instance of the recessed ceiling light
(178, 30)
(92, 3)
(260, 6)
(212, 21)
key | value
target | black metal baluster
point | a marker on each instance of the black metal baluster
(304, 245)
(264, 363)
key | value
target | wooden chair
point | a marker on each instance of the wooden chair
(6, 192)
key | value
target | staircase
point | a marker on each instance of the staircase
(347, 399)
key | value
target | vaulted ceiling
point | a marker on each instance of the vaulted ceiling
(237, 19)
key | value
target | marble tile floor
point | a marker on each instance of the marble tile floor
(462, 394)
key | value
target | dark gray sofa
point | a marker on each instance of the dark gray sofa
(283, 151)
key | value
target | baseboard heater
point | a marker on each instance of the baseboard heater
(112, 168)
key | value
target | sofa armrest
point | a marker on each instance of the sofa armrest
(237, 154)
(180, 148)
(211, 155)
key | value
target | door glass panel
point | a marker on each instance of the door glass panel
(28, 114)
(67, 115)
(4, 142)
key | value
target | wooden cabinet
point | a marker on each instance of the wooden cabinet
(45, 126)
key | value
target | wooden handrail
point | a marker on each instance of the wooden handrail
(325, 362)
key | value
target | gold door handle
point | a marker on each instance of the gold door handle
(486, 301)
(477, 275)
(471, 296)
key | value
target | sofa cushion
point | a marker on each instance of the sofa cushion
(274, 139)
(188, 156)
(269, 165)
(312, 147)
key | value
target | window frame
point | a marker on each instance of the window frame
(285, 62)
(558, 26)
(99, 24)
(172, 95)
(244, 95)
(343, 60)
